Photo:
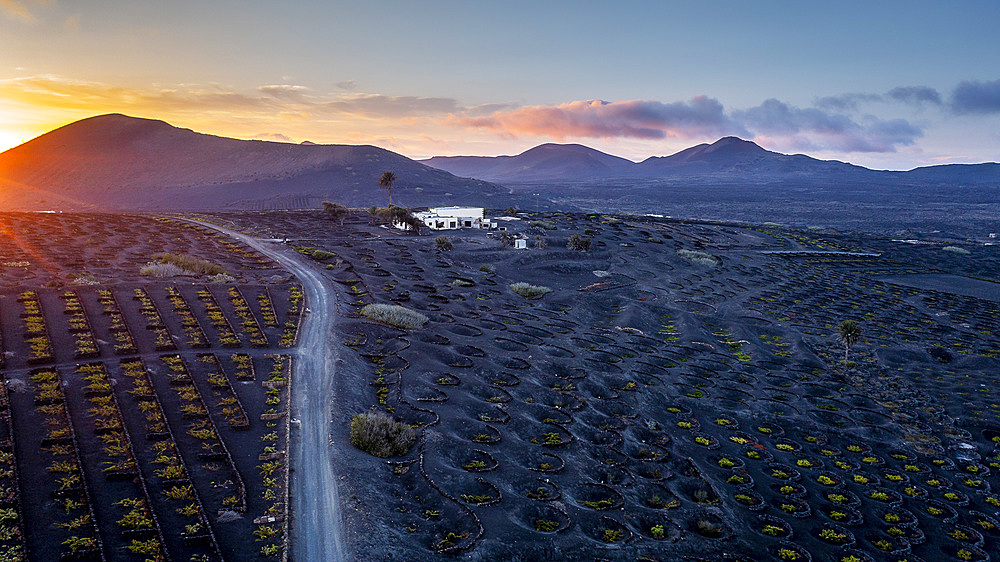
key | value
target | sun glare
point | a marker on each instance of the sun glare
(8, 140)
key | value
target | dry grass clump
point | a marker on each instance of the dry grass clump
(221, 278)
(167, 265)
(153, 269)
(528, 290)
(378, 434)
(394, 315)
(698, 257)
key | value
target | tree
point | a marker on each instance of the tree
(849, 333)
(393, 215)
(385, 182)
(335, 211)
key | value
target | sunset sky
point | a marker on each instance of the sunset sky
(882, 84)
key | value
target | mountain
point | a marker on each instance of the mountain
(545, 162)
(729, 160)
(116, 162)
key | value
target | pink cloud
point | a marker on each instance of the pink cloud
(642, 119)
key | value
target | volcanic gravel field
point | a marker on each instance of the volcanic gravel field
(656, 407)
(679, 394)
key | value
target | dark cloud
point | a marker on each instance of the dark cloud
(643, 119)
(813, 128)
(845, 102)
(973, 96)
(915, 95)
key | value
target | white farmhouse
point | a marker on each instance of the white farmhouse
(450, 218)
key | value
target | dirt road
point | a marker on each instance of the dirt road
(316, 526)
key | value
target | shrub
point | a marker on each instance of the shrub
(378, 434)
(195, 265)
(528, 290)
(577, 242)
(547, 225)
(169, 265)
(394, 315)
(443, 243)
(546, 526)
(153, 269)
(320, 255)
(698, 257)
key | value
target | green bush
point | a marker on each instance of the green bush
(320, 255)
(394, 315)
(378, 434)
(528, 290)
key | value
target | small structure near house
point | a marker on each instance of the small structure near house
(520, 244)
(451, 218)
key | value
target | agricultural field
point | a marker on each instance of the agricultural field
(143, 415)
(676, 390)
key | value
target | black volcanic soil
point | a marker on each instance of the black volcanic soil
(653, 407)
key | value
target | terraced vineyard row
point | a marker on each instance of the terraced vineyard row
(131, 430)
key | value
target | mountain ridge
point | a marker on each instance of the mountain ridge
(727, 159)
(118, 162)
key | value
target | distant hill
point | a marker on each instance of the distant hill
(729, 160)
(116, 162)
(545, 162)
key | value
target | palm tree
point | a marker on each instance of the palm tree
(849, 332)
(385, 182)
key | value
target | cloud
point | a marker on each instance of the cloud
(813, 128)
(912, 95)
(284, 91)
(273, 137)
(973, 96)
(347, 85)
(844, 102)
(377, 105)
(641, 119)
(17, 10)
(915, 95)
(58, 92)
(284, 100)
(701, 117)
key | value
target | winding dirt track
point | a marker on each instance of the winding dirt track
(316, 526)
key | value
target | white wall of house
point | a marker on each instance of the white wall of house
(450, 218)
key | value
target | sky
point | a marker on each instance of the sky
(888, 84)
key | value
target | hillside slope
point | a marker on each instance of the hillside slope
(116, 162)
